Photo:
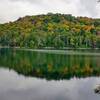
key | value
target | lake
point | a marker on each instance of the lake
(49, 75)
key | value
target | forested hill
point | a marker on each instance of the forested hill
(51, 30)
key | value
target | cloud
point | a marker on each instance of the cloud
(90, 6)
(10, 10)
(18, 87)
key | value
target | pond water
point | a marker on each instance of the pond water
(32, 75)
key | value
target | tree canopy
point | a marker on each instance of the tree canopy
(51, 30)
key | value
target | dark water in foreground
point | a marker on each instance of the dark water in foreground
(27, 75)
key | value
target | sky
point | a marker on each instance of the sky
(11, 10)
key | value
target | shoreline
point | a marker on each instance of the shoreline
(51, 48)
(70, 51)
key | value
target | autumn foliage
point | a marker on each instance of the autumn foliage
(51, 30)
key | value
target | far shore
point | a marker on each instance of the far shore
(51, 48)
(68, 51)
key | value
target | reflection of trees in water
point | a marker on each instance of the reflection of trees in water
(50, 66)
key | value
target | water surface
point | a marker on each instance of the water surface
(31, 75)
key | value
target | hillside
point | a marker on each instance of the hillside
(51, 30)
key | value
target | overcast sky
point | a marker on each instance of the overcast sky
(10, 10)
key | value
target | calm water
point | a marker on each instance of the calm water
(31, 75)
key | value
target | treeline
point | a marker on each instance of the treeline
(51, 30)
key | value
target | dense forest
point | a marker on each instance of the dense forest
(51, 30)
